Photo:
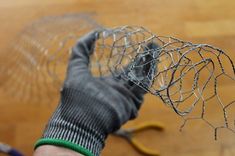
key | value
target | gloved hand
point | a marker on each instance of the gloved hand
(90, 108)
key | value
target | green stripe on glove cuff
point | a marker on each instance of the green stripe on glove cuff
(63, 143)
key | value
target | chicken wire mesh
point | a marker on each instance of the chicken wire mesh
(34, 65)
(186, 76)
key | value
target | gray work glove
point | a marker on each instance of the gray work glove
(90, 108)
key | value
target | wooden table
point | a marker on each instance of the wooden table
(199, 21)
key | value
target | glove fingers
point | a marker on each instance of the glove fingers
(81, 52)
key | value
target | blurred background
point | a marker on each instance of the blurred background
(197, 21)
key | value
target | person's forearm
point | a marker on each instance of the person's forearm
(49, 150)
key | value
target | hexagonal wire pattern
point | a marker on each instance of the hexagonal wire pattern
(35, 63)
(187, 77)
(184, 75)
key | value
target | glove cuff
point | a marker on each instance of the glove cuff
(73, 126)
(63, 143)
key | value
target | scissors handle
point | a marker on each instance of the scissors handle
(143, 149)
(4, 148)
(129, 135)
(147, 125)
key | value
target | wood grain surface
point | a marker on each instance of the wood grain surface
(199, 21)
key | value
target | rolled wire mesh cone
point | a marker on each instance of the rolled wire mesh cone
(34, 65)
(187, 77)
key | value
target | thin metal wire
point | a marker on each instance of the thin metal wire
(189, 78)
(186, 76)
(34, 65)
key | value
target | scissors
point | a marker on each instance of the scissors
(128, 134)
(4, 148)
